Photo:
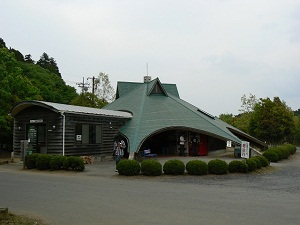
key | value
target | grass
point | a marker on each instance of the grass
(13, 219)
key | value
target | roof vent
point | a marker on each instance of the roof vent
(147, 79)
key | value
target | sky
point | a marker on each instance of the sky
(215, 51)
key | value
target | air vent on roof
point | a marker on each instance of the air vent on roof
(205, 113)
(147, 79)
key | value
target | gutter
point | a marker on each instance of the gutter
(63, 133)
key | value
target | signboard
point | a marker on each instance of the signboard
(245, 153)
(78, 137)
(36, 121)
(228, 144)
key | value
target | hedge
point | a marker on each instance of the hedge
(197, 167)
(217, 166)
(128, 167)
(151, 167)
(174, 167)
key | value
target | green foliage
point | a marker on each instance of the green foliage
(30, 161)
(48, 63)
(43, 162)
(252, 166)
(258, 163)
(76, 163)
(104, 90)
(151, 167)
(237, 166)
(278, 152)
(291, 148)
(271, 121)
(129, 167)
(197, 167)
(227, 118)
(57, 162)
(174, 167)
(271, 156)
(263, 160)
(88, 100)
(217, 166)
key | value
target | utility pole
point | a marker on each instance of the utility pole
(93, 84)
(84, 86)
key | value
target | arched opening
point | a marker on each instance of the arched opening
(167, 142)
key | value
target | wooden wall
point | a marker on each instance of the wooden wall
(54, 137)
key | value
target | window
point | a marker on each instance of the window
(88, 133)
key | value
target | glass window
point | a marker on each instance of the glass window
(88, 133)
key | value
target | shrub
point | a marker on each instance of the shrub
(151, 167)
(75, 162)
(66, 163)
(251, 164)
(244, 168)
(285, 151)
(271, 156)
(43, 162)
(263, 160)
(196, 167)
(291, 148)
(234, 166)
(56, 162)
(174, 167)
(258, 163)
(30, 161)
(277, 151)
(217, 166)
(128, 167)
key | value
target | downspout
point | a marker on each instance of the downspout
(63, 134)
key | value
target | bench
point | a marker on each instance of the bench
(147, 154)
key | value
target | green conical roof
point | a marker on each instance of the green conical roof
(157, 107)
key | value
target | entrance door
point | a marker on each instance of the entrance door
(36, 136)
(203, 145)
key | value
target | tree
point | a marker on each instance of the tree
(48, 63)
(248, 104)
(103, 88)
(88, 100)
(271, 121)
(28, 59)
(227, 118)
(2, 43)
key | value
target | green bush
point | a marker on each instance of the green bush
(291, 148)
(66, 164)
(197, 167)
(277, 151)
(30, 161)
(151, 167)
(174, 167)
(263, 160)
(237, 166)
(76, 163)
(128, 167)
(271, 156)
(285, 151)
(217, 166)
(56, 162)
(258, 163)
(252, 166)
(43, 162)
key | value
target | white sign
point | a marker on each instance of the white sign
(36, 121)
(78, 137)
(229, 144)
(245, 149)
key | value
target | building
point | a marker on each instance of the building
(160, 117)
(147, 115)
(53, 128)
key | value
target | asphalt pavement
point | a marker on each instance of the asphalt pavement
(100, 196)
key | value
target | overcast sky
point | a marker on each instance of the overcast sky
(215, 51)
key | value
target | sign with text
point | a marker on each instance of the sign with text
(245, 149)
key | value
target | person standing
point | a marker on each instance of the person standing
(194, 145)
(181, 143)
(119, 146)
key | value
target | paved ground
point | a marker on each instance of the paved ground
(100, 196)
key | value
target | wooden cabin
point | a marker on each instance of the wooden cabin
(52, 128)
